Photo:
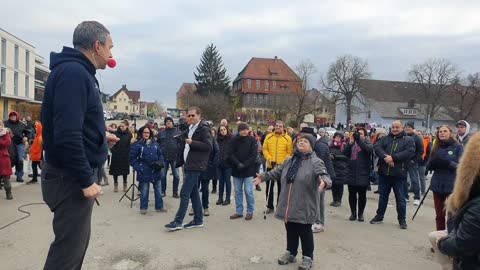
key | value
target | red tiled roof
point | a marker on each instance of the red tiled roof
(268, 69)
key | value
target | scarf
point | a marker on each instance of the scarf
(355, 150)
(297, 159)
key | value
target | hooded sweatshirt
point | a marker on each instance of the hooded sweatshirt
(465, 137)
(72, 117)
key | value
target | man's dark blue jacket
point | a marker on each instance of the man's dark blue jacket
(72, 117)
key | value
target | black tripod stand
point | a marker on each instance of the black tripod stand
(132, 186)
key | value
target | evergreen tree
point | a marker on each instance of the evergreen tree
(211, 75)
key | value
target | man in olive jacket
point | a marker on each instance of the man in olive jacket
(395, 152)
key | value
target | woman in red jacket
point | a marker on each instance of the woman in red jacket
(5, 164)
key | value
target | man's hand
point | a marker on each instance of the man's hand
(92, 191)
(188, 141)
(388, 159)
(112, 139)
(25, 139)
(391, 164)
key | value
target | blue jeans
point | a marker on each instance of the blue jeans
(224, 175)
(176, 178)
(144, 192)
(240, 185)
(20, 153)
(385, 185)
(189, 191)
(414, 181)
(421, 174)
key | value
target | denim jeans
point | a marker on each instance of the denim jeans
(421, 174)
(224, 175)
(242, 184)
(189, 191)
(144, 192)
(414, 181)
(19, 165)
(176, 178)
(385, 185)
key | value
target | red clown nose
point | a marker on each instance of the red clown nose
(111, 63)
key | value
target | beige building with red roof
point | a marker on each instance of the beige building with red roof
(125, 101)
(260, 84)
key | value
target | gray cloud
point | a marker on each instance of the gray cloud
(158, 45)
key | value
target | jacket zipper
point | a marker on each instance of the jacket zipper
(391, 152)
(288, 203)
(276, 150)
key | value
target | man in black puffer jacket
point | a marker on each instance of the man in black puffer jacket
(196, 155)
(395, 153)
(170, 148)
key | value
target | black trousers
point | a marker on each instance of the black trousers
(269, 192)
(353, 191)
(337, 192)
(296, 232)
(115, 178)
(35, 165)
(72, 214)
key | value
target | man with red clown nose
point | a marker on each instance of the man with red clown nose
(74, 141)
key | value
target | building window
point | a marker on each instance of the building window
(16, 56)
(284, 87)
(255, 100)
(114, 107)
(27, 61)
(27, 86)
(267, 85)
(4, 51)
(15, 83)
(274, 85)
(126, 107)
(257, 85)
(249, 84)
(3, 80)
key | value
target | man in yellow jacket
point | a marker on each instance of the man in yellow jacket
(277, 147)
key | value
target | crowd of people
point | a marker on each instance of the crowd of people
(71, 145)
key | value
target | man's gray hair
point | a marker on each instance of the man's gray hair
(87, 33)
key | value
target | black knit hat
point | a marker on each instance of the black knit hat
(168, 118)
(242, 126)
(309, 138)
(308, 130)
(410, 124)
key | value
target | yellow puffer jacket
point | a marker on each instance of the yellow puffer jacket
(277, 147)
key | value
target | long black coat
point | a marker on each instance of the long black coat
(244, 151)
(224, 145)
(120, 164)
(340, 165)
(359, 170)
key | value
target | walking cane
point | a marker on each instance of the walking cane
(420, 205)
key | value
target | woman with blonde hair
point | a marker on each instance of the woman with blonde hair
(443, 161)
(460, 249)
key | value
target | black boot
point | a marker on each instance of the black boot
(360, 217)
(353, 216)
(9, 193)
(219, 202)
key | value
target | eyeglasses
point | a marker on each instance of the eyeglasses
(191, 115)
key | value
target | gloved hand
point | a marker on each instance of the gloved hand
(157, 165)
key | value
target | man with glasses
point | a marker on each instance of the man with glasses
(276, 148)
(198, 145)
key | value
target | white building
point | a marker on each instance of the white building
(18, 62)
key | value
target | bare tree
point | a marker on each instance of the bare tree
(342, 81)
(214, 106)
(306, 100)
(467, 91)
(434, 77)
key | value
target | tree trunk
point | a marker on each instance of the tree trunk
(348, 102)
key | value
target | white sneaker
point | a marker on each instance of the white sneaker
(416, 202)
(317, 228)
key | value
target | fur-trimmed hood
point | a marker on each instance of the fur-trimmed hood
(468, 176)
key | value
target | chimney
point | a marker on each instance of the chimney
(275, 58)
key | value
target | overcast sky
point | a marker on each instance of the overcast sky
(158, 44)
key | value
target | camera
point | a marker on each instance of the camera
(183, 128)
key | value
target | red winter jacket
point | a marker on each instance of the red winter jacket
(5, 164)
